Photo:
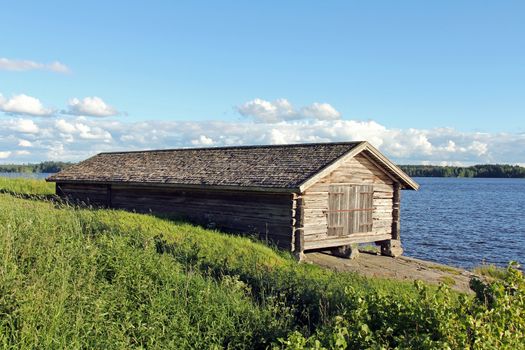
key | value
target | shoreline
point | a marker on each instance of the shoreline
(402, 268)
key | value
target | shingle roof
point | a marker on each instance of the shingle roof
(276, 166)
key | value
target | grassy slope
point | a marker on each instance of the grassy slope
(80, 278)
(26, 186)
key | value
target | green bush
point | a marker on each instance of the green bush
(495, 319)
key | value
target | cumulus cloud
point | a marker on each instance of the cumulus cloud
(24, 143)
(322, 111)
(282, 110)
(25, 65)
(81, 130)
(78, 138)
(24, 126)
(24, 105)
(203, 140)
(5, 154)
(90, 106)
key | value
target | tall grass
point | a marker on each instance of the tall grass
(68, 280)
(26, 186)
(83, 278)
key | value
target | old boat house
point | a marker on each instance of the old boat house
(301, 197)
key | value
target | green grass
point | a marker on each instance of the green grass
(449, 281)
(83, 278)
(491, 271)
(26, 186)
(447, 269)
(369, 248)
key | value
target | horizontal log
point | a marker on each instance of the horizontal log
(339, 241)
(241, 196)
(276, 211)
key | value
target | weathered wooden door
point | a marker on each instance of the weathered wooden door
(350, 209)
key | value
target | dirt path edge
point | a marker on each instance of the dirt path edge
(401, 268)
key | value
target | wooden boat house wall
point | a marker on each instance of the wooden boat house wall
(301, 197)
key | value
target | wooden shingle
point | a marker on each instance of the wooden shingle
(276, 166)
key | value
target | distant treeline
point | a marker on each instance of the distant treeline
(43, 167)
(487, 170)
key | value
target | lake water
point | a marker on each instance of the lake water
(27, 175)
(460, 222)
(465, 222)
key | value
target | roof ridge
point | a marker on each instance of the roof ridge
(313, 144)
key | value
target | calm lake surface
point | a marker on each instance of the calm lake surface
(27, 175)
(465, 222)
(460, 222)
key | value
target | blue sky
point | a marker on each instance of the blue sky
(426, 81)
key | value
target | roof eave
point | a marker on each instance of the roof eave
(332, 166)
(405, 180)
(183, 186)
(390, 167)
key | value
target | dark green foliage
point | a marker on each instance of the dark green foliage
(494, 319)
(486, 170)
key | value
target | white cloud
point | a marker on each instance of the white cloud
(24, 143)
(24, 104)
(91, 106)
(282, 110)
(25, 126)
(203, 140)
(5, 154)
(81, 130)
(64, 126)
(322, 111)
(78, 138)
(22, 153)
(25, 65)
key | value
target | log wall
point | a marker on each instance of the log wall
(314, 204)
(84, 194)
(268, 215)
(294, 222)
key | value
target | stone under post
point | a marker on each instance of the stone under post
(350, 251)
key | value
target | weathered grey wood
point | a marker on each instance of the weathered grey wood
(340, 241)
(353, 200)
(108, 196)
(88, 194)
(299, 244)
(321, 224)
(270, 216)
(191, 187)
(396, 207)
(58, 189)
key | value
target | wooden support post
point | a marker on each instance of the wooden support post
(392, 247)
(396, 207)
(299, 244)
(298, 238)
(58, 190)
(108, 196)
